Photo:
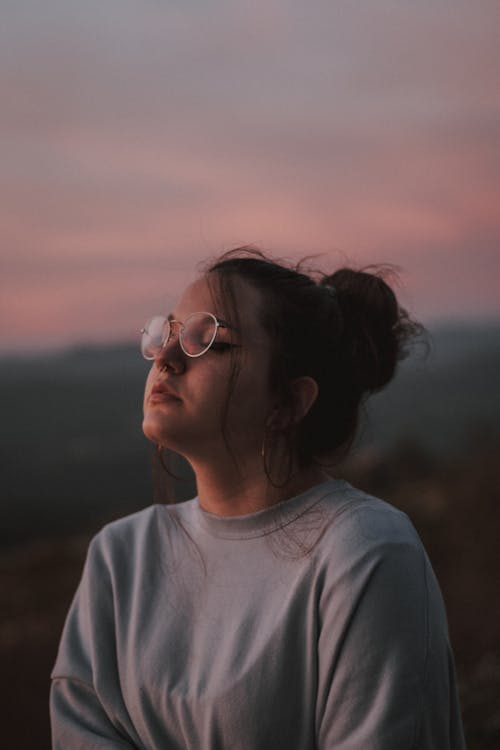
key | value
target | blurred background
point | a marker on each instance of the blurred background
(141, 137)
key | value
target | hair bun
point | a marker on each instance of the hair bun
(375, 327)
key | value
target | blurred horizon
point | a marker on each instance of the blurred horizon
(49, 349)
(63, 346)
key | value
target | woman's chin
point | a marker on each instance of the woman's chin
(154, 430)
(160, 434)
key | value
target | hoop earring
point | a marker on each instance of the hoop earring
(265, 458)
(165, 479)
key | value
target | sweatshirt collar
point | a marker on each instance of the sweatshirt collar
(270, 519)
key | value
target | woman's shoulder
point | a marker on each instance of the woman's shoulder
(367, 541)
(126, 529)
(136, 536)
(357, 521)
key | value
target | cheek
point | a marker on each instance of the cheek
(148, 384)
(252, 400)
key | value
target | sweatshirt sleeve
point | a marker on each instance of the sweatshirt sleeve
(386, 674)
(79, 721)
(86, 705)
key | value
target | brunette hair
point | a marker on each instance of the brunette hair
(346, 330)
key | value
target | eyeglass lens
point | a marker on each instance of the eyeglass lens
(196, 334)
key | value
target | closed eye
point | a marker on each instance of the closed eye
(222, 346)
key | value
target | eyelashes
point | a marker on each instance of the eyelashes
(221, 346)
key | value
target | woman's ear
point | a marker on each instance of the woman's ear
(304, 393)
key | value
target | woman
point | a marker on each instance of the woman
(280, 608)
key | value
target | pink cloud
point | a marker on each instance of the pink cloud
(139, 146)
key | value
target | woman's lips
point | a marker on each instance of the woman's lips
(162, 393)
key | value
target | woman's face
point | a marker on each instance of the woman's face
(187, 416)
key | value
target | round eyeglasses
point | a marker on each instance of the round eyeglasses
(196, 334)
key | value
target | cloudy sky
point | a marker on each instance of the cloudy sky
(139, 137)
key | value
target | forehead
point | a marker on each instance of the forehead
(205, 296)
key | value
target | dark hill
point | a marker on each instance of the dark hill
(73, 450)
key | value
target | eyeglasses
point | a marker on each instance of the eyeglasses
(196, 334)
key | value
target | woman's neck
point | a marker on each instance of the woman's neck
(228, 490)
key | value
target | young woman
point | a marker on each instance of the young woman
(280, 608)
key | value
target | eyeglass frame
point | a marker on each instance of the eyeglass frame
(181, 324)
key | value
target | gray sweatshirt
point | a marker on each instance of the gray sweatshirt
(316, 623)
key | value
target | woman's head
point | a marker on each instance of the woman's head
(306, 352)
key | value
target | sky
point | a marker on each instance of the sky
(140, 137)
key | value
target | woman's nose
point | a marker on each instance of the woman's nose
(171, 357)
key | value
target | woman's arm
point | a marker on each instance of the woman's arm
(86, 704)
(78, 719)
(385, 663)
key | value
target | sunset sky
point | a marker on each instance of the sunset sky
(140, 137)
